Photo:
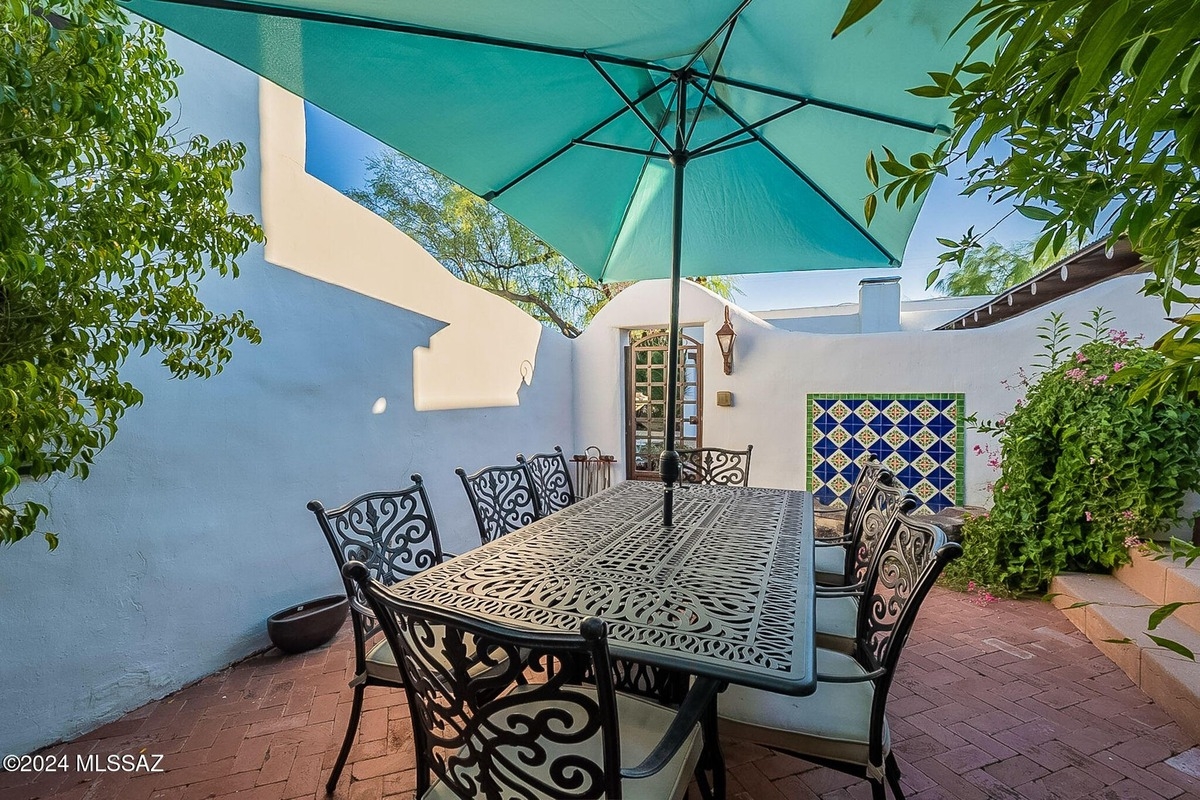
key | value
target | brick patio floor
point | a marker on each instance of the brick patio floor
(1002, 701)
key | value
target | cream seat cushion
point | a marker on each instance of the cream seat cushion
(642, 727)
(834, 722)
(836, 622)
(381, 664)
(829, 563)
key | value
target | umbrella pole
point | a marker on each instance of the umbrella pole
(669, 463)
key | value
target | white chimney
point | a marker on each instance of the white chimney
(879, 304)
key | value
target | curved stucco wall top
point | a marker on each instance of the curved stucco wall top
(315, 230)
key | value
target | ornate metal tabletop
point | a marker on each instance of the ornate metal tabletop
(727, 592)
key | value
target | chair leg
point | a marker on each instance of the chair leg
(351, 730)
(892, 770)
(877, 790)
(711, 757)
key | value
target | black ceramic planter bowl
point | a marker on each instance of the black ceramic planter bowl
(307, 625)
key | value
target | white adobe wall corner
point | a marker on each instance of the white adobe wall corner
(313, 229)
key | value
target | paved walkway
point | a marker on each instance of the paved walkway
(1002, 701)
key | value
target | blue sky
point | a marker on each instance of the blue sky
(337, 153)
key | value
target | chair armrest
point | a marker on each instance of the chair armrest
(840, 542)
(702, 694)
(854, 590)
(447, 556)
(866, 676)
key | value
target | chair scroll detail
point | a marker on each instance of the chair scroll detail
(716, 466)
(479, 733)
(502, 498)
(551, 478)
(394, 534)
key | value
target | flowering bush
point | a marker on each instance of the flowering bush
(1082, 470)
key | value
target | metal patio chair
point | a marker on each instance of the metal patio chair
(551, 480)
(715, 466)
(395, 535)
(842, 725)
(502, 498)
(554, 736)
(834, 559)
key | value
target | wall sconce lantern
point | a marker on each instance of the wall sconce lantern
(725, 337)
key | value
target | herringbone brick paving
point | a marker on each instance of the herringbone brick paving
(999, 701)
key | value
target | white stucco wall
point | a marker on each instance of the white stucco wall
(192, 528)
(774, 371)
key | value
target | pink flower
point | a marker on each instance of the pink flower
(1118, 366)
(1000, 421)
(1087, 515)
(1099, 379)
(978, 449)
(994, 462)
(1076, 374)
(1127, 514)
(1081, 358)
(1119, 337)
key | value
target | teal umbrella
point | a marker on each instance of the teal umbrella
(641, 140)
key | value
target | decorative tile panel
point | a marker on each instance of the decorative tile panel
(916, 436)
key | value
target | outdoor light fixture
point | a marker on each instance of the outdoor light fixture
(725, 337)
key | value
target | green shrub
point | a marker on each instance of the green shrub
(1081, 468)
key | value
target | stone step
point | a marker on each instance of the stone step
(1165, 581)
(1117, 612)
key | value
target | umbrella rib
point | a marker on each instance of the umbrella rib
(632, 106)
(773, 150)
(707, 148)
(923, 127)
(714, 150)
(610, 118)
(708, 84)
(728, 23)
(621, 149)
(309, 15)
(629, 203)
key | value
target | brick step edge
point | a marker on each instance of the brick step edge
(1164, 581)
(1117, 612)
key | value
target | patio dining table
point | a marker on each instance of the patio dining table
(726, 592)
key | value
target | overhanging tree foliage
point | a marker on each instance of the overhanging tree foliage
(107, 221)
(1098, 102)
(485, 247)
(992, 268)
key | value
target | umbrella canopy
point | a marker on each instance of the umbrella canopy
(582, 119)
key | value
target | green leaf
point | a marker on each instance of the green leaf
(872, 169)
(1036, 212)
(855, 10)
(1162, 612)
(1173, 646)
(869, 205)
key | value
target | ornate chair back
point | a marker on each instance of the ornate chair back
(877, 507)
(551, 480)
(912, 556)
(393, 533)
(715, 466)
(503, 499)
(549, 738)
(870, 473)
